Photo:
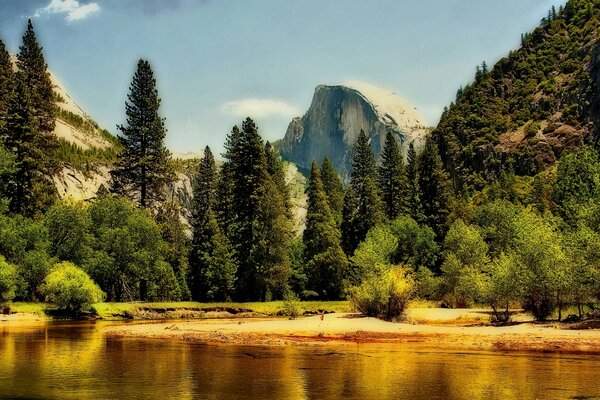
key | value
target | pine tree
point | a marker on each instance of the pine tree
(368, 208)
(258, 226)
(348, 226)
(6, 84)
(325, 260)
(212, 267)
(29, 191)
(143, 167)
(334, 189)
(434, 185)
(275, 169)
(393, 185)
(414, 192)
(34, 73)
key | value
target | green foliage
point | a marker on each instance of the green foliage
(325, 260)
(504, 285)
(393, 184)
(384, 295)
(334, 189)
(143, 167)
(85, 159)
(68, 226)
(71, 288)
(362, 205)
(8, 282)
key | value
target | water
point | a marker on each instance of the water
(76, 361)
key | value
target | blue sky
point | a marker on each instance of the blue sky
(218, 60)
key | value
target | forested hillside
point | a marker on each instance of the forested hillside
(534, 104)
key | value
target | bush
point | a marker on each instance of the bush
(384, 295)
(291, 305)
(8, 282)
(71, 288)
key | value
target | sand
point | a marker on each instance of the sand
(351, 328)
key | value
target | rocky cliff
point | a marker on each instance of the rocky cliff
(336, 115)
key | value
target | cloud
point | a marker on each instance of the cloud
(260, 108)
(73, 10)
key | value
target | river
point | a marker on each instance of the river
(77, 361)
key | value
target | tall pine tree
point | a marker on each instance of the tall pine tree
(334, 189)
(435, 189)
(6, 84)
(363, 211)
(212, 266)
(275, 169)
(325, 260)
(412, 177)
(393, 185)
(143, 167)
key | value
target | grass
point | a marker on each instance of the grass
(113, 310)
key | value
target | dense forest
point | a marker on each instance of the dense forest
(501, 206)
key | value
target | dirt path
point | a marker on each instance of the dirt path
(344, 328)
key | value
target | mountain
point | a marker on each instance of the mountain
(336, 116)
(535, 104)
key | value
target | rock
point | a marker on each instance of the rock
(336, 115)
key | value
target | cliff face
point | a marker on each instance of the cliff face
(336, 115)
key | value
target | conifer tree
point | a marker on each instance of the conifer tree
(393, 185)
(29, 190)
(6, 84)
(325, 260)
(334, 189)
(143, 167)
(412, 178)
(348, 226)
(275, 169)
(259, 225)
(434, 185)
(367, 210)
(212, 267)
(34, 73)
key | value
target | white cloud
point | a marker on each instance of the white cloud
(260, 108)
(72, 8)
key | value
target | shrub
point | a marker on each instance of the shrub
(384, 295)
(71, 288)
(291, 305)
(8, 282)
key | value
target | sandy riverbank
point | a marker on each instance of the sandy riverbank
(350, 328)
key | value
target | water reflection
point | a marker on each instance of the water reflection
(76, 361)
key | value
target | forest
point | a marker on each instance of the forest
(459, 222)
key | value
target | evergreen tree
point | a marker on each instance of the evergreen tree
(275, 169)
(6, 84)
(258, 223)
(334, 189)
(434, 185)
(212, 267)
(367, 210)
(34, 72)
(414, 193)
(143, 167)
(29, 191)
(324, 257)
(393, 185)
(348, 226)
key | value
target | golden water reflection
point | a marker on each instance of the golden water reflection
(76, 361)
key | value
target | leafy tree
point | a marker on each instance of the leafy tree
(577, 182)
(505, 285)
(68, 226)
(393, 184)
(364, 210)
(143, 167)
(435, 191)
(465, 261)
(373, 253)
(325, 260)
(8, 283)
(71, 288)
(334, 189)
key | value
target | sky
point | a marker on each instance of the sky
(217, 61)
